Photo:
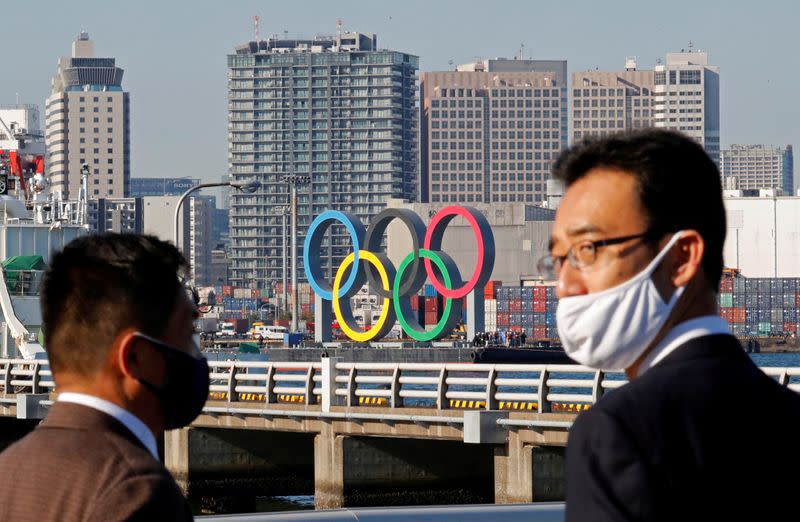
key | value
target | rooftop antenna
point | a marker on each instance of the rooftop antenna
(522, 51)
(691, 45)
(255, 27)
(450, 63)
(339, 29)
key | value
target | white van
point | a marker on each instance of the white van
(269, 332)
(226, 329)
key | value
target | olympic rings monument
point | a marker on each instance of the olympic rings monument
(397, 285)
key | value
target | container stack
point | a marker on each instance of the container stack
(759, 307)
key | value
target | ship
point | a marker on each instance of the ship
(35, 222)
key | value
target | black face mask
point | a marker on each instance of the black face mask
(186, 390)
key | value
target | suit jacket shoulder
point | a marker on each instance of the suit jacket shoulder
(81, 464)
(691, 428)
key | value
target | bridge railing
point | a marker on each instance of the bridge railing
(532, 387)
(264, 381)
(541, 388)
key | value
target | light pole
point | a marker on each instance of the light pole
(283, 210)
(244, 186)
(293, 180)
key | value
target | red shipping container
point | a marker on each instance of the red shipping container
(490, 290)
(431, 304)
(539, 332)
(790, 327)
(797, 300)
(739, 315)
(502, 319)
(726, 286)
(515, 328)
(255, 294)
(227, 291)
(726, 313)
(539, 292)
(431, 317)
(539, 307)
(415, 302)
(515, 306)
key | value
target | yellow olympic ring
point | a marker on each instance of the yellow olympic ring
(369, 257)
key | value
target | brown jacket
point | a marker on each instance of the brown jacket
(80, 464)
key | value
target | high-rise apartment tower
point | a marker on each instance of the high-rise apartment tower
(335, 109)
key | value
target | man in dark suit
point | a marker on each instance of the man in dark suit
(699, 432)
(119, 327)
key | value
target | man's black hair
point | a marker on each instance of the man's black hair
(679, 185)
(99, 285)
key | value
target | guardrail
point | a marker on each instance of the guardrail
(534, 512)
(540, 388)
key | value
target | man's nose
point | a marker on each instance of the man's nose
(570, 281)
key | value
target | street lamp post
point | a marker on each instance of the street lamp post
(283, 211)
(293, 180)
(247, 187)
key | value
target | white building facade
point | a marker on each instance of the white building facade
(763, 237)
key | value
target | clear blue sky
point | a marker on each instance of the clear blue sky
(174, 54)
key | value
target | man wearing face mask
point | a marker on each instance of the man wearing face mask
(699, 432)
(119, 328)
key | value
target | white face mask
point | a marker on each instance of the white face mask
(609, 330)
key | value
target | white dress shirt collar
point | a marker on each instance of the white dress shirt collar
(680, 335)
(128, 419)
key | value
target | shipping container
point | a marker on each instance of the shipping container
(227, 291)
(490, 290)
(540, 306)
(539, 332)
(726, 300)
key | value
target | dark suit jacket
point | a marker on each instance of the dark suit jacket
(80, 464)
(703, 435)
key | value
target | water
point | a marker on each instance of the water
(776, 359)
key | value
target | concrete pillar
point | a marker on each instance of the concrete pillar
(527, 473)
(369, 471)
(232, 467)
(328, 470)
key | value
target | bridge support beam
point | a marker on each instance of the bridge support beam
(226, 469)
(524, 472)
(367, 471)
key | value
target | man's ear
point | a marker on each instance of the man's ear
(127, 360)
(687, 258)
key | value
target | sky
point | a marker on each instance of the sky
(174, 54)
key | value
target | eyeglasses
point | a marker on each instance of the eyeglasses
(582, 254)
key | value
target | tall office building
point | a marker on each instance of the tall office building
(141, 187)
(336, 109)
(758, 167)
(607, 102)
(491, 129)
(680, 94)
(87, 121)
